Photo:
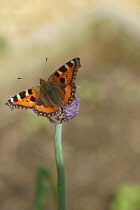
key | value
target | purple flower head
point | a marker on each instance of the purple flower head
(70, 111)
(67, 113)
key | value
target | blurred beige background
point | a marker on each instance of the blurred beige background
(102, 144)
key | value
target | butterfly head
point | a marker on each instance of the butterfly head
(41, 80)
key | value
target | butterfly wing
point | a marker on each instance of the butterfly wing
(64, 81)
(25, 99)
(66, 74)
(30, 99)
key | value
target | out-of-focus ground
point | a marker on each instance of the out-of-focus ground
(102, 144)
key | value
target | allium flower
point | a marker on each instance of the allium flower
(72, 110)
(67, 113)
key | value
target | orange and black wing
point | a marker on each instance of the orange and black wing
(66, 74)
(30, 99)
(64, 78)
(25, 99)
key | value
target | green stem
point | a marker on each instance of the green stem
(60, 168)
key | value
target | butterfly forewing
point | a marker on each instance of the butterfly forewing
(66, 74)
(24, 99)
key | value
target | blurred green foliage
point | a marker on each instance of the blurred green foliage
(90, 91)
(2, 44)
(44, 185)
(127, 197)
(33, 123)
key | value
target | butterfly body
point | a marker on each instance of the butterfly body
(50, 98)
(52, 92)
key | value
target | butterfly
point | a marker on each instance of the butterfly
(50, 98)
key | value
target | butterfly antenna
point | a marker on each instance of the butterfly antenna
(45, 66)
(43, 70)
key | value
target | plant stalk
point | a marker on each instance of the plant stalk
(61, 192)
